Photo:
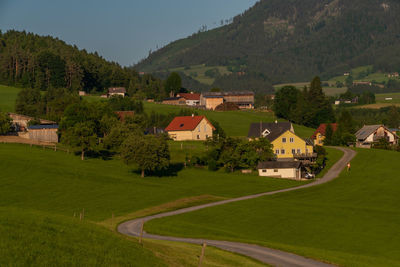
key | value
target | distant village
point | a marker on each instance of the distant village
(294, 156)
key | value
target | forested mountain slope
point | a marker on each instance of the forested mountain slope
(293, 40)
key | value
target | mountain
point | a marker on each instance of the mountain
(279, 41)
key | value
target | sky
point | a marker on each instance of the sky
(119, 30)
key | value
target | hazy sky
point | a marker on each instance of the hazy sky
(119, 30)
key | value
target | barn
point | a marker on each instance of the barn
(43, 133)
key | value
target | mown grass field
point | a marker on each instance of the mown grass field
(33, 238)
(381, 98)
(43, 193)
(197, 72)
(61, 183)
(351, 221)
(8, 95)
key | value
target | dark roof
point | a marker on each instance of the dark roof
(42, 127)
(275, 129)
(279, 165)
(228, 93)
(366, 131)
(213, 96)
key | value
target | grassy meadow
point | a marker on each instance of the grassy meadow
(351, 221)
(43, 193)
(197, 72)
(8, 95)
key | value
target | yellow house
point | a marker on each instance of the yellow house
(190, 128)
(319, 135)
(286, 144)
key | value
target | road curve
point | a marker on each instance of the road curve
(266, 255)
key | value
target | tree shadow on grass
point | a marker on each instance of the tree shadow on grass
(172, 170)
(98, 154)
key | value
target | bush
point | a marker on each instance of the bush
(212, 165)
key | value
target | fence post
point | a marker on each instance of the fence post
(202, 254)
(141, 233)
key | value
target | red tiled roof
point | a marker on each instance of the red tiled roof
(123, 114)
(186, 123)
(189, 96)
(322, 128)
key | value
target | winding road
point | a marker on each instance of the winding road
(266, 255)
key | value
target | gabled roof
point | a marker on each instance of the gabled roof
(241, 93)
(186, 123)
(190, 96)
(272, 130)
(42, 127)
(367, 130)
(279, 165)
(322, 129)
(117, 90)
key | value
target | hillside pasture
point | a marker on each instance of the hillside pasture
(198, 72)
(60, 183)
(381, 98)
(8, 95)
(351, 221)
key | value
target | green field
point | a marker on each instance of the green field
(8, 95)
(235, 123)
(331, 90)
(351, 221)
(43, 193)
(61, 183)
(33, 238)
(197, 72)
(381, 98)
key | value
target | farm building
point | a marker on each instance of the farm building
(286, 144)
(20, 122)
(174, 101)
(280, 169)
(192, 99)
(370, 134)
(116, 91)
(42, 133)
(319, 135)
(244, 100)
(190, 128)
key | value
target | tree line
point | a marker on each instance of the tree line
(38, 62)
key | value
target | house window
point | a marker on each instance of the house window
(198, 136)
(275, 170)
(264, 170)
(284, 140)
(298, 151)
(199, 128)
(283, 151)
(291, 140)
(277, 151)
(293, 151)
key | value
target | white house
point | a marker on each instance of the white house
(116, 91)
(280, 169)
(370, 134)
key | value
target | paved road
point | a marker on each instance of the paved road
(263, 254)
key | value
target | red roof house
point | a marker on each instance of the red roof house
(190, 128)
(319, 134)
(192, 99)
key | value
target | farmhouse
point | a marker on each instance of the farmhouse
(190, 128)
(369, 134)
(244, 100)
(319, 135)
(286, 144)
(192, 99)
(116, 91)
(280, 169)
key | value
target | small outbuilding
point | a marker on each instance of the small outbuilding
(280, 169)
(43, 133)
(116, 91)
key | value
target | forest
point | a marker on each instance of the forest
(28, 60)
